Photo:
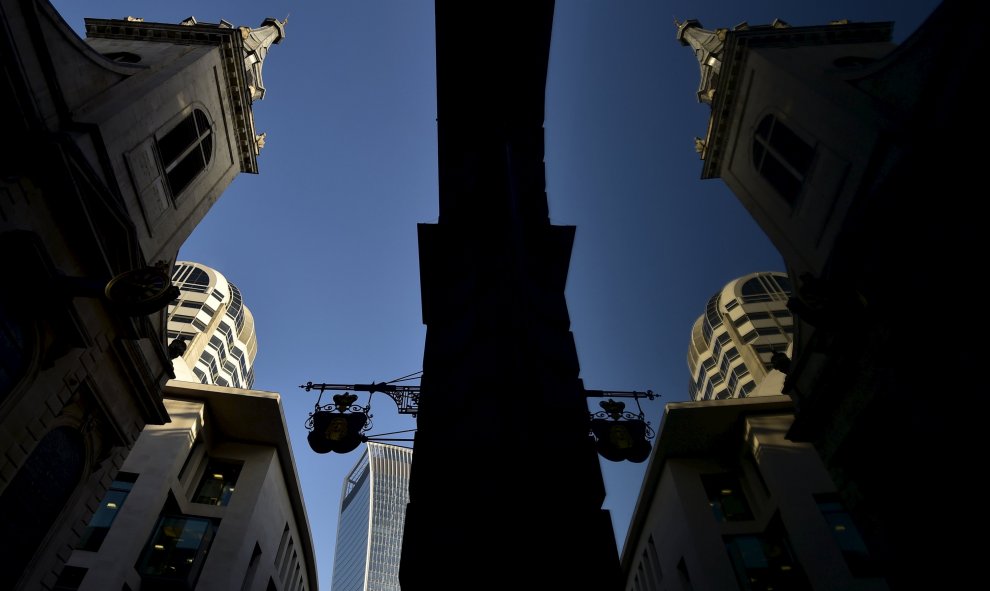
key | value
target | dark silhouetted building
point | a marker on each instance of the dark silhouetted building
(506, 489)
(857, 158)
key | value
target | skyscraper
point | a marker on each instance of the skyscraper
(372, 515)
(216, 327)
(733, 342)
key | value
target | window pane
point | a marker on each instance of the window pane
(175, 547)
(764, 561)
(185, 171)
(174, 143)
(782, 180)
(726, 498)
(113, 501)
(201, 121)
(763, 129)
(793, 149)
(847, 537)
(207, 146)
(758, 152)
(217, 484)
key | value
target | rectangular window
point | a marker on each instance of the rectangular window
(765, 560)
(174, 556)
(846, 536)
(726, 497)
(217, 484)
(102, 519)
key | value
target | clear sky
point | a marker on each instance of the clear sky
(322, 243)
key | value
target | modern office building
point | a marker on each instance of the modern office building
(372, 517)
(119, 145)
(729, 503)
(212, 500)
(821, 132)
(215, 327)
(733, 342)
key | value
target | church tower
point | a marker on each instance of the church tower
(119, 145)
(856, 157)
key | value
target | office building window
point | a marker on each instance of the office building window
(176, 551)
(186, 150)
(110, 506)
(765, 561)
(726, 498)
(847, 536)
(781, 157)
(217, 484)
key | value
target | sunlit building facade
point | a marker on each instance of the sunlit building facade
(218, 329)
(733, 342)
(372, 515)
(212, 500)
(122, 141)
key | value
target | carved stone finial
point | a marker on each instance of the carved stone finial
(707, 46)
(256, 44)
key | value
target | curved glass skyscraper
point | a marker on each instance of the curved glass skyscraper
(733, 341)
(372, 515)
(218, 328)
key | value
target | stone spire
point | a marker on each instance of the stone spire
(256, 44)
(707, 46)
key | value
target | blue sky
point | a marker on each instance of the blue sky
(322, 243)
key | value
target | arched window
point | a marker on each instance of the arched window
(781, 157)
(186, 150)
(37, 494)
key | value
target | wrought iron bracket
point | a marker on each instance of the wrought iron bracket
(406, 398)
